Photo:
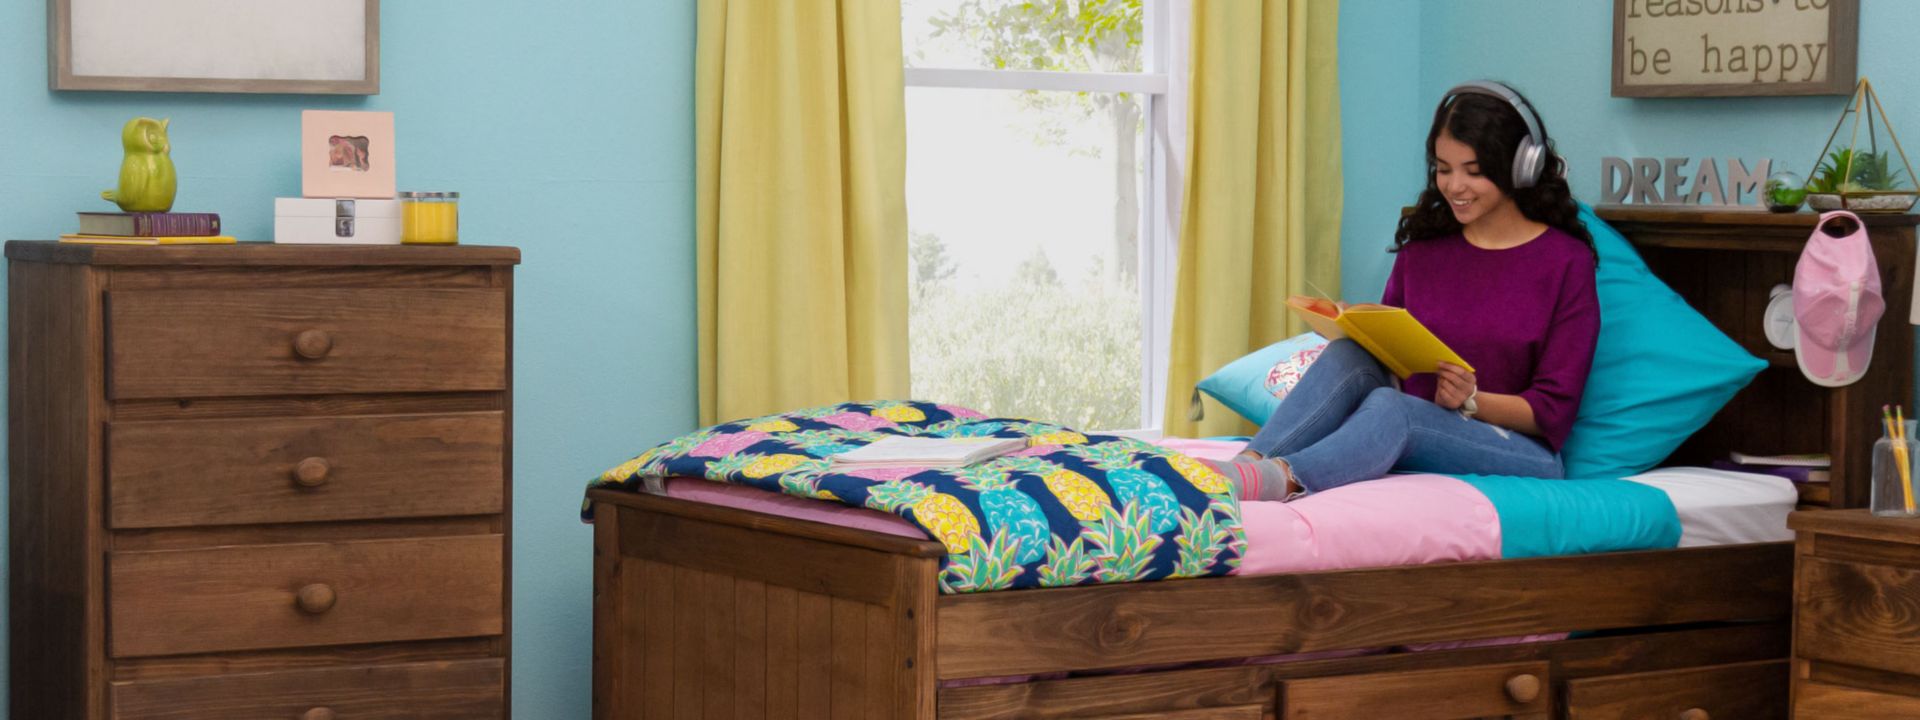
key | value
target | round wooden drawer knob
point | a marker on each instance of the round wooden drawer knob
(315, 599)
(318, 713)
(312, 344)
(311, 472)
(1694, 714)
(1523, 688)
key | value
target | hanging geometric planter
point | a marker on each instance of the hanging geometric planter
(1861, 175)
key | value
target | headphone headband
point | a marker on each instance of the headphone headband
(1530, 158)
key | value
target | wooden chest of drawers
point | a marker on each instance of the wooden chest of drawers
(259, 481)
(1856, 623)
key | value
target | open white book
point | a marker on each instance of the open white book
(902, 451)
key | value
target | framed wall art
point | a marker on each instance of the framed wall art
(255, 46)
(1730, 48)
(346, 154)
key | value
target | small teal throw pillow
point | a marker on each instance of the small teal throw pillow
(1254, 385)
(1661, 370)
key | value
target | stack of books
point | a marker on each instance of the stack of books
(927, 452)
(167, 228)
(1813, 468)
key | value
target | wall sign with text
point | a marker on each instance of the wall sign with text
(1679, 181)
(1723, 48)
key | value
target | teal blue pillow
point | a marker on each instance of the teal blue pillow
(1660, 370)
(1253, 385)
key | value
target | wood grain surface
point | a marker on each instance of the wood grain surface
(173, 602)
(448, 690)
(241, 471)
(215, 343)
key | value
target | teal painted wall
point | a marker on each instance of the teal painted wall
(569, 131)
(1559, 54)
(1383, 134)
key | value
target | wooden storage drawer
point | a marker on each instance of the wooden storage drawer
(1452, 694)
(1832, 702)
(218, 343)
(178, 473)
(1858, 614)
(243, 597)
(1744, 691)
(1237, 712)
(459, 690)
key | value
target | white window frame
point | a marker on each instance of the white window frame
(1157, 252)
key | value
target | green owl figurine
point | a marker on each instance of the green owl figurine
(147, 181)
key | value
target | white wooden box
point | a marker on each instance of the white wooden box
(309, 221)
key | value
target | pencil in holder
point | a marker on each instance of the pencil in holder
(1894, 473)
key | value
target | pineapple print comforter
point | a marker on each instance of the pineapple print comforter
(1072, 509)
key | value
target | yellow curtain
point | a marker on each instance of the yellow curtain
(801, 212)
(1261, 208)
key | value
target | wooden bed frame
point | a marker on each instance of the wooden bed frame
(706, 612)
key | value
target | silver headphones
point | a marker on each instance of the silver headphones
(1530, 159)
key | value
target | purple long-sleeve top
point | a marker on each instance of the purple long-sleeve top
(1526, 317)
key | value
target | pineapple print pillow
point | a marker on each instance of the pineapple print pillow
(1071, 509)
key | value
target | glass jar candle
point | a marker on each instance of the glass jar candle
(430, 218)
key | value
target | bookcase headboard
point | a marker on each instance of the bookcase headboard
(1724, 263)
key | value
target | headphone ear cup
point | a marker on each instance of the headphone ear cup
(1527, 161)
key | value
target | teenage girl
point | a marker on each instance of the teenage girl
(1494, 260)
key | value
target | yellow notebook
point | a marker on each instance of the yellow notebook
(1394, 337)
(137, 240)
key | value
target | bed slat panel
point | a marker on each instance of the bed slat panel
(1031, 631)
(657, 680)
(849, 659)
(813, 661)
(717, 677)
(879, 662)
(750, 660)
(688, 693)
(783, 668)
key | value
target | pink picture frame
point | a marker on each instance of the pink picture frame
(346, 154)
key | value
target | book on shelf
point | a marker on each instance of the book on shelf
(1391, 334)
(149, 224)
(902, 451)
(83, 239)
(1811, 460)
(1796, 473)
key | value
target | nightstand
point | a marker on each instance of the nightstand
(1856, 647)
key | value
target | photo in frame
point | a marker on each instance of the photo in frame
(255, 46)
(346, 154)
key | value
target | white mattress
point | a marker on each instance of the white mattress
(1722, 507)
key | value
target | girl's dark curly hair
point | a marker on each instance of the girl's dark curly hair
(1494, 130)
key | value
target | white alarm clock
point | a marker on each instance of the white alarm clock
(1779, 318)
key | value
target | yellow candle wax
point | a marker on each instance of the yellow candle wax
(429, 221)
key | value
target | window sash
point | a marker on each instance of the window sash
(1158, 253)
(1048, 80)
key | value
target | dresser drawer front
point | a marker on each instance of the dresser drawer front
(1816, 701)
(460, 690)
(266, 596)
(1743, 691)
(1453, 694)
(218, 343)
(1858, 614)
(177, 473)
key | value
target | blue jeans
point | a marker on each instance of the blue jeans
(1345, 422)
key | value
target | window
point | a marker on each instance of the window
(1039, 276)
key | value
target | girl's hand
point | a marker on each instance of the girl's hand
(1456, 384)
